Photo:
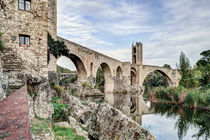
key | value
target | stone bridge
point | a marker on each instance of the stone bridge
(66, 75)
(88, 61)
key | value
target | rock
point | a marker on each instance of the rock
(82, 91)
(111, 124)
(42, 105)
(81, 110)
(35, 79)
(63, 124)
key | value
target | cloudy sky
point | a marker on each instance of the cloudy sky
(165, 27)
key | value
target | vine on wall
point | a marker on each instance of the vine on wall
(57, 48)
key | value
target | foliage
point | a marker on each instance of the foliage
(86, 84)
(100, 80)
(57, 88)
(203, 65)
(61, 111)
(63, 70)
(1, 43)
(155, 79)
(66, 133)
(187, 79)
(194, 97)
(186, 119)
(167, 66)
(57, 48)
(67, 80)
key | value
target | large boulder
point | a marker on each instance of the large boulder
(81, 110)
(111, 124)
(39, 98)
(42, 106)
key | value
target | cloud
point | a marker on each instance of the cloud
(165, 27)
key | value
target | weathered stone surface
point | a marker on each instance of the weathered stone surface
(81, 110)
(111, 124)
(34, 23)
(82, 91)
(41, 105)
(105, 122)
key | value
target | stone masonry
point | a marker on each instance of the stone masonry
(33, 23)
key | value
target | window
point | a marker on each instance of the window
(25, 5)
(24, 40)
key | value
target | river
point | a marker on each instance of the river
(175, 123)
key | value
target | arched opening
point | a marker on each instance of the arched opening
(133, 77)
(81, 71)
(134, 50)
(71, 69)
(134, 59)
(119, 73)
(100, 80)
(108, 85)
(155, 79)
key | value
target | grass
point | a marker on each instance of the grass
(189, 97)
(38, 127)
(66, 133)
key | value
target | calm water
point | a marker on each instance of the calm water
(174, 123)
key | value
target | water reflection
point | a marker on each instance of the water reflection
(162, 120)
(189, 123)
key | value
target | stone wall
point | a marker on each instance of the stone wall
(33, 23)
(3, 83)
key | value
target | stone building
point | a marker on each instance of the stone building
(25, 24)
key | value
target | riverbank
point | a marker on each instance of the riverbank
(190, 98)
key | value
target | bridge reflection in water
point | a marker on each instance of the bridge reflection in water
(132, 105)
(163, 120)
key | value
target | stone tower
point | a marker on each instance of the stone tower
(137, 53)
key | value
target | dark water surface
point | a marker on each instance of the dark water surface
(169, 122)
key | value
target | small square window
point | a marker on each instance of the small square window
(24, 40)
(24, 5)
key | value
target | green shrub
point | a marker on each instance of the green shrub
(57, 88)
(86, 84)
(190, 99)
(162, 93)
(61, 112)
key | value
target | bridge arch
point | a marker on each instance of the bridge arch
(133, 76)
(80, 67)
(119, 73)
(108, 86)
(165, 75)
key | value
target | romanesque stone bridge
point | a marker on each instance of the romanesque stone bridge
(88, 61)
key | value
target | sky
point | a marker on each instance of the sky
(165, 27)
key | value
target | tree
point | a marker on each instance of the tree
(203, 65)
(167, 66)
(100, 81)
(187, 79)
